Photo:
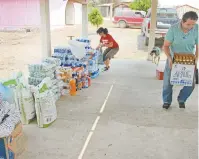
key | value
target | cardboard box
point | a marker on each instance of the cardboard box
(182, 75)
(13, 146)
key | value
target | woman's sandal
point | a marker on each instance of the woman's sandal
(106, 68)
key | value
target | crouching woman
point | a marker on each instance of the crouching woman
(111, 45)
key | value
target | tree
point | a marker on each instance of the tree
(95, 17)
(143, 5)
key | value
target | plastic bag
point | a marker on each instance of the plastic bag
(26, 105)
(7, 94)
(45, 104)
(78, 48)
(9, 118)
(26, 102)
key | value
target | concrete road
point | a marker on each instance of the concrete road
(119, 117)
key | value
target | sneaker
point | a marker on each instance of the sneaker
(182, 105)
(166, 106)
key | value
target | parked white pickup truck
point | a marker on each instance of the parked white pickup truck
(165, 18)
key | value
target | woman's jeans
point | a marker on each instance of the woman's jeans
(168, 88)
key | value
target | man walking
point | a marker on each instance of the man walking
(181, 38)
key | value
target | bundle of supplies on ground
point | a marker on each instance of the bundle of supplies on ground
(37, 72)
(47, 68)
(12, 140)
(23, 97)
(93, 56)
(65, 55)
(9, 117)
(45, 104)
(182, 73)
(93, 67)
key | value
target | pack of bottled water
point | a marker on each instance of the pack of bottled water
(88, 49)
(37, 72)
(64, 54)
(37, 75)
(63, 50)
(55, 85)
(92, 66)
(99, 57)
(52, 60)
(87, 42)
(84, 40)
(70, 60)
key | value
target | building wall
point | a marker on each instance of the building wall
(58, 10)
(78, 13)
(16, 14)
(104, 11)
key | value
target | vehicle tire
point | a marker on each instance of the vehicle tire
(122, 24)
(146, 41)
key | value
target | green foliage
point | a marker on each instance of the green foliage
(95, 17)
(140, 5)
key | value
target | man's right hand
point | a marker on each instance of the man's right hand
(170, 60)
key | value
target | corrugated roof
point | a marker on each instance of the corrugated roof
(80, 1)
(126, 1)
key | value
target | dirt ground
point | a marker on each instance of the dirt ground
(17, 49)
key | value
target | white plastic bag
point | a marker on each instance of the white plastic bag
(24, 100)
(45, 104)
(26, 104)
(77, 48)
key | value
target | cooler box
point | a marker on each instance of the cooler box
(160, 70)
(159, 74)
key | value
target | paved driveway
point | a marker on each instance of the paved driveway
(119, 116)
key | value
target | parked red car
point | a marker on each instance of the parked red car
(129, 18)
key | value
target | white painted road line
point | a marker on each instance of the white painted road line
(95, 123)
(103, 106)
(85, 145)
(94, 126)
